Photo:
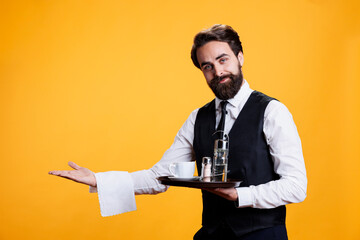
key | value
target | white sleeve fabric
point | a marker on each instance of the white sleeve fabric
(286, 152)
(117, 190)
(180, 151)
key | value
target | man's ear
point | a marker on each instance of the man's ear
(240, 57)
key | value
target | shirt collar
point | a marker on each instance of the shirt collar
(243, 93)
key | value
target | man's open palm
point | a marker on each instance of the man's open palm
(79, 174)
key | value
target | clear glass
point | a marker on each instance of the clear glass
(220, 164)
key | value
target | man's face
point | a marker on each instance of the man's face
(221, 68)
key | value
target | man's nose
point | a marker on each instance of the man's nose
(218, 70)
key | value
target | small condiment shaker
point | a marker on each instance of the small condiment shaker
(206, 169)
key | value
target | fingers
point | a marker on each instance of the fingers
(53, 172)
(212, 189)
(227, 193)
(74, 165)
(60, 173)
(80, 174)
(65, 174)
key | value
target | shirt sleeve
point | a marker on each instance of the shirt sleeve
(286, 152)
(117, 190)
(180, 151)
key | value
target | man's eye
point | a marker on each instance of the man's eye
(222, 60)
(207, 67)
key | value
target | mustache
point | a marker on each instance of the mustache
(218, 79)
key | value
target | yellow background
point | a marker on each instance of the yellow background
(107, 84)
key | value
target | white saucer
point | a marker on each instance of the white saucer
(188, 178)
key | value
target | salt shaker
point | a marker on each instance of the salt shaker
(206, 169)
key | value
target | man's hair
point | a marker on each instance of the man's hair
(218, 32)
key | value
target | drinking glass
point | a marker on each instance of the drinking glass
(220, 164)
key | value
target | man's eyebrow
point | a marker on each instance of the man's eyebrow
(204, 63)
(222, 55)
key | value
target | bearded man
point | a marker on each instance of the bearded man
(265, 152)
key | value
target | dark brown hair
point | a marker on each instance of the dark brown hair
(218, 32)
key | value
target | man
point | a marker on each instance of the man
(265, 152)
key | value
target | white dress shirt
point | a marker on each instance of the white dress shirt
(116, 190)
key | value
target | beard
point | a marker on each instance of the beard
(229, 89)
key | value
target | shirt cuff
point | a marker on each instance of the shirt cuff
(115, 192)
(244, 197)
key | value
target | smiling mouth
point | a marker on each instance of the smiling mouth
(224, 80)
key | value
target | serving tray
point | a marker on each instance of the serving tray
(197, 183)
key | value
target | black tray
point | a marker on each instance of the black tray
(197, 183)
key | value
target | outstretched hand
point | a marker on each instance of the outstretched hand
(79, 174)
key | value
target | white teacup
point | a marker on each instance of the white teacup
(182, 169)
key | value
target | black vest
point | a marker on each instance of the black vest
(249, 161)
